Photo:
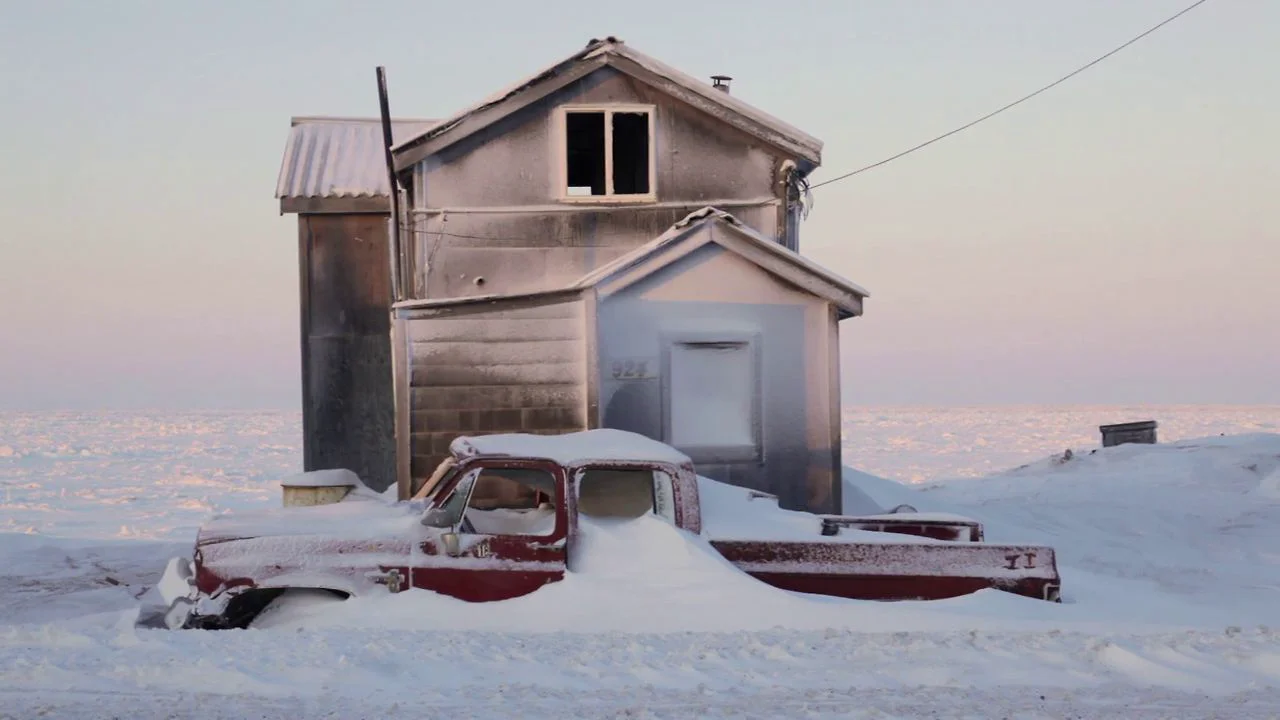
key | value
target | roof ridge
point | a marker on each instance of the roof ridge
(351, 119)
(617, 54)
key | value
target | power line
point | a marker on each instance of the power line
(440, 234)
(1017, 102)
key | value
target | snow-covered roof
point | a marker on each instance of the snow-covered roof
(753, 246)
(571, 448)
(337, 157)
(613, 53)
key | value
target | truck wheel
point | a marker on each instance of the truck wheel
(292, 605)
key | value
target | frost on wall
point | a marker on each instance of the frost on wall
(712, 395)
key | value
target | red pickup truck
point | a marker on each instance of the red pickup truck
(499, 518)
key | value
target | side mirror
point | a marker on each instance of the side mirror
(450, 542)
(438, 518)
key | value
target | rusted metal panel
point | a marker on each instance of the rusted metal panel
(514, 365)
(348, 401)
(488, 216)
(527, 252)
(496, 396)
(473, 369)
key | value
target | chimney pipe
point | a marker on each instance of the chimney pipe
(721, 83)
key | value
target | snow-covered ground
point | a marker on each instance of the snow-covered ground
(1170, 558)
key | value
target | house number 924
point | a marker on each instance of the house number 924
(632, 369)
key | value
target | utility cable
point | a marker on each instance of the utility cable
(1013, 104)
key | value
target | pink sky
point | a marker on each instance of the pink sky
(1114, 240)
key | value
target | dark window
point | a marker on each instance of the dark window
(594, 170)
(630, 153)
(585, 142)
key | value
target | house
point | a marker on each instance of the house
(334, 178)
(608, 243)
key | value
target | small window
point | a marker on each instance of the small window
(608, 153)
(713, 396)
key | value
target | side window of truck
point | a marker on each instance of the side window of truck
(512, 501)
(625, 493)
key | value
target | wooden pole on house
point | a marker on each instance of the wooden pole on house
(399, 380)
(397, 256)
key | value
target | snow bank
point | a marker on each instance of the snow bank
(1182, 532)
(647, 576)
(1270, 485)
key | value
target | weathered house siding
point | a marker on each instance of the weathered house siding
(489, 206)
(348, 414)
(510, 365)
(712, 296)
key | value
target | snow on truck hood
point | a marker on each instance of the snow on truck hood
(357, 517)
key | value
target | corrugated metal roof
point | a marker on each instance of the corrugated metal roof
(332, 157)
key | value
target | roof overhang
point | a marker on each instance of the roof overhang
(734, 236)
(473, 303)
(338, 164)
(615, 54)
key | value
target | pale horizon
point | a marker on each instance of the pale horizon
(1113, 242)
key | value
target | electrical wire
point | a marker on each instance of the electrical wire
(807, 189)
(1013, 104)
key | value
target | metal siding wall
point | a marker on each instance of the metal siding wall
(348, 406)
(797, 463)
(519, 245)
(500, 368)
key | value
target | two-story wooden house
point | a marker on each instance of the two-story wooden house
(609, 243)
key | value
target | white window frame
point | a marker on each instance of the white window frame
(562, 154)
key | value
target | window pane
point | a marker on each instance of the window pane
(664, 497)
(611, 493)
(713, 391)
(630, 153)
(512, 501)
(584, 140)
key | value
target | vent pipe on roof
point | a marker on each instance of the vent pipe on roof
(721, 83)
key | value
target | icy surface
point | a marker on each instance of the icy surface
(1172, 582)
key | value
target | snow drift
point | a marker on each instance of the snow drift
(1169, 556)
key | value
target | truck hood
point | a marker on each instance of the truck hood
(358, 517)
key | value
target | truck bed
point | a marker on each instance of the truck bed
(893, 571)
